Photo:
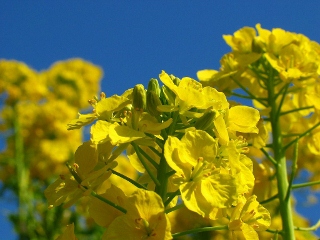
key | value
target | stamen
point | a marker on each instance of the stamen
(102, 95)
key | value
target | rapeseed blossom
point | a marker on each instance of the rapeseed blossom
(202, 185)
(247, 218)
(145, 219)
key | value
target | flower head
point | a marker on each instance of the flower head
(198, 176)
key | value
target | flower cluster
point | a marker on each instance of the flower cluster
(36, 102)
(287, 62)
(35, 109)
(175, 158)
(186, 140)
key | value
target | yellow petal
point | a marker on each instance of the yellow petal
(68, 233)
(100, 132)
(243, 119)
(102, 213)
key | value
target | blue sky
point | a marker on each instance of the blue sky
(134, 40)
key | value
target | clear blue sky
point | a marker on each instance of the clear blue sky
(134, 40)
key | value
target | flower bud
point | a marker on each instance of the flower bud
(153, 101)
(154, 86)
(175, 80)
(139, 97)
(168, 95)
(258, 46)
(206, 121)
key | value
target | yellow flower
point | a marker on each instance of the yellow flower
(105, 109)
(237, 164)
(292, 64)
(198, 176)
(190, 94)
(241, 41)
(74, 80)
(273, 41)
(233, 65)
(133, 127)
(237, 119)
(20, 82)
(88, 174)
(247, 218)
(145, 219)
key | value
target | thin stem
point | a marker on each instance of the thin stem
(247, 97)
(271, 159)
(282, 100)
(257, 73)
(169, 199)
(112, 204)
(274, 231)
(312, 228)
(155, 151)
(307, 184)
(296, 110)
(162, 177)
(248, 92)
(294, 168)
(156, 165)
(169, 174)
(136, 148)
(174, 208)
(269, 199)
(197, 230)
(301, 135)
(93, 193)
(281, 91)
(138, 185)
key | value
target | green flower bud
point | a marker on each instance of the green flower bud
(257, 46)
(206, 121)
(154, 86)
(175, 80)
(169, 95)
(152, 102)
(139, 97)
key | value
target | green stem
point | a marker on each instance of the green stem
(274, 231)
(294, 168)
(282, 100)
(312, 228)
(148, 158)
(301, 135)
(246, 97)
(197, 230)
(296, 110)
(169, 199)
(136, 148)
(121, 209)
(269, 199)
(25, 223)
(281, 167)
(161, 189)
(138, 185)
(169, 210)
(162, 177)
(307, 184)
(93, 193)
(247, 91)
(271, 159)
